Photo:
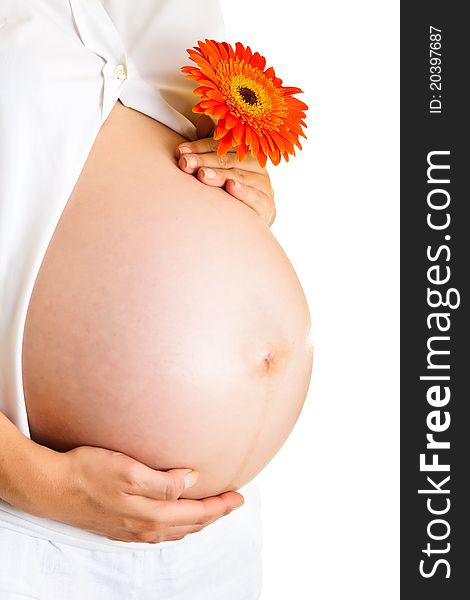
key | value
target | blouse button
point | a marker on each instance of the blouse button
(120, 72)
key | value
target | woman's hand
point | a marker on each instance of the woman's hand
(114, 495)
(105, 492)
(246, 181)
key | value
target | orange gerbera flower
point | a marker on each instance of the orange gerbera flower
(254, 111)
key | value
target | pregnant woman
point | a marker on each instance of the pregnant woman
(155, 338)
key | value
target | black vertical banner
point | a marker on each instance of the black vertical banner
(435, 300)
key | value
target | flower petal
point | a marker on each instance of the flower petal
(214, 49)
(269, 73)
(238, 132)
(216, 95)
(225, 144)
(220, 111)
(208, 102)
(248, 135)
(242, 151)
(231, 120)
(239, 50)
(276, 156)
(291, 90)
(224, 55)
(201, 91)
(220, 130)
(258, 61)
(264, 144)
(255, 144)
(262, 159)
(230, 50)
(248, 55)
(282, 143)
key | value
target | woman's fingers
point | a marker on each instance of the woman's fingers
(191, 161)
(185, 512)
(225, 167)
(199, 512)
(219, 177)
(245, 180)
(261, 203)
(199, 147)
(159, 485)
(253, 189)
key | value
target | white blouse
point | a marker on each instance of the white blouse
(63, 66)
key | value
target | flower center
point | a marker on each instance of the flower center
(249, 96)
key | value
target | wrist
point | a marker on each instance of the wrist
(29, 472)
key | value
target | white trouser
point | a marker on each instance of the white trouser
(42, 559)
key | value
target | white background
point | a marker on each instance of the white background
(331, 496)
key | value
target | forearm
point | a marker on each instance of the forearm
(102, 491)
(24, 467)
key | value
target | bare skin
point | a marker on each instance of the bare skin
(102, 491)
(107, 492)
(166, 321)
(139, 503)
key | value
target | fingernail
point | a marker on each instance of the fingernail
(239, 506)
(208, 173)
(190, 162)
(236, 185)
(190, 479)
(183, 150)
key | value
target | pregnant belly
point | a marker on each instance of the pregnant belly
(166, 322)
